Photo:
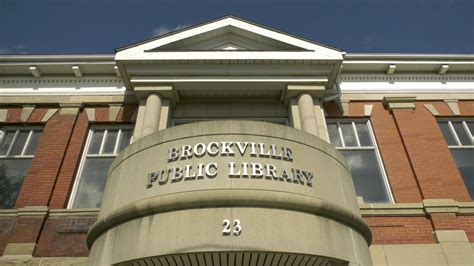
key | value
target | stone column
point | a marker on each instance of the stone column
(151, 117)
(307, 116)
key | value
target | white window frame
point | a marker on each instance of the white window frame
(459, 145)
(17, 130)
(84, 156)
(360, 147)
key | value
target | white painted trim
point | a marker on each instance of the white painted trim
(137, 52)
(230, 55)
(366, 83)
(146, 79)
(62, 86)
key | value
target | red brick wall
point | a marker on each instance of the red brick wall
(394, 156)
(400, 230)
(72, 159)
(64, 236)
(39, 183)
(430, 157)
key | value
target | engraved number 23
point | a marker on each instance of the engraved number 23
(237, 228)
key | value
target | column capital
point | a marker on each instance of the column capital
(162, 90)
(294, 90)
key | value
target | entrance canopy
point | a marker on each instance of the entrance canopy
(228, 56)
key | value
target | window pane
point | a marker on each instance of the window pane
(334, 135)
(110, 141)
(462, 134)
(348, 135)
(12, 173)
(34, 140)
(465, 161)
(470, 125)
(125, 139)
(448, 136)
(19, 143)
(366, 175)
(94, 145)
(7, 141)
(92, 183)
(363, 132)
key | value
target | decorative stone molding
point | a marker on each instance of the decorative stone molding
(59, 81)
(293, 90)
(440, 206)
(368, 109)
(432, 109)
(48, 115)
(33, 211)
(70, 108)
(90, 114)
(448, 236)
(405, 77)
(3, 115)
(44, 210)
(388, 209)
(19, 249)
(343, 106)
(114, 110)
(417, 209)
(453, 105)
(26, 112)
(399, 102)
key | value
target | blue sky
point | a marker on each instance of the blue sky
(356, 26)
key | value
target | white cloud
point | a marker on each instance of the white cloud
(163, 29)
(16, 49)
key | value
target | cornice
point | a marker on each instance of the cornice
(59, 80)
(405, 78)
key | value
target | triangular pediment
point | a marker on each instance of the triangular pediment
(228, 38)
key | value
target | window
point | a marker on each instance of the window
(17, 148)
(356, 142)
(102, 146)
(459, 136)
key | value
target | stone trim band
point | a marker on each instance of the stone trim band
(228, 198)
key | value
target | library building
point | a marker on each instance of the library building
(232, 143)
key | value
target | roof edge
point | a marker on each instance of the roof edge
(222, 18)
(406, 56)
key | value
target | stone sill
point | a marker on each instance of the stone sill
(428, 206)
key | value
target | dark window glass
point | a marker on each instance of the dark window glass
(465, 161)
(92, 183)
(334, 135)
(366, 175)
(110, 140)
(14, 163)
(96, 141)
(462, 134)
(7, 141)
(348, 135)
(448, 135)
(364, 135)
(34, 140)
(19, 143)
(125, 139)
(12, 173)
